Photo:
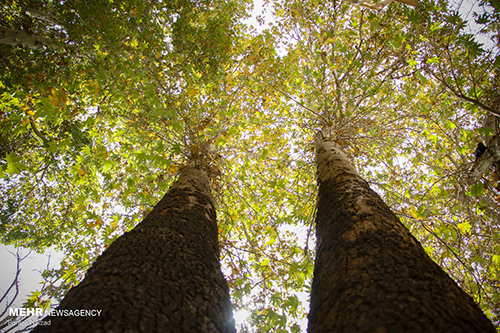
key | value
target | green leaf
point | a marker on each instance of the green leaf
(14, 166)
(476, 189)
(293, 303)
(176, 148)
(435, 26)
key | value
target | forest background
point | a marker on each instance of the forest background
(106, 102)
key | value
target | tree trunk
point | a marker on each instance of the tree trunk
(492, 154)
(489, 158)
(371, 274)
(163, 276)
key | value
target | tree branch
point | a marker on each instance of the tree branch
(48, 17)
(26, 39)
(464, 97)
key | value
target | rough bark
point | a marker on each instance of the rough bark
(163, 276)
(371, 274)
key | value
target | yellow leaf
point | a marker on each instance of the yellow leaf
(413, 212)
(269, 229)
(81, 172)
(464, 227)
(54, 99)
(197, 74)
(173, 169)
(191, 92)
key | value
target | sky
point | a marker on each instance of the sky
(31, 268)
(466, 9)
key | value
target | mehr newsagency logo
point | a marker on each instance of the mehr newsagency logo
(36, 316)
(54, 312)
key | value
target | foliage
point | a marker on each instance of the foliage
(94, 131)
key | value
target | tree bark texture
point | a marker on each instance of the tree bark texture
(163, 276)
(371, 274)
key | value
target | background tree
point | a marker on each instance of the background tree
(10, 296)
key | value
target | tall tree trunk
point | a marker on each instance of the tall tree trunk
(163, 276)
(371, 274)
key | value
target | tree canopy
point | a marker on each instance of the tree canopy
(102, 103)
